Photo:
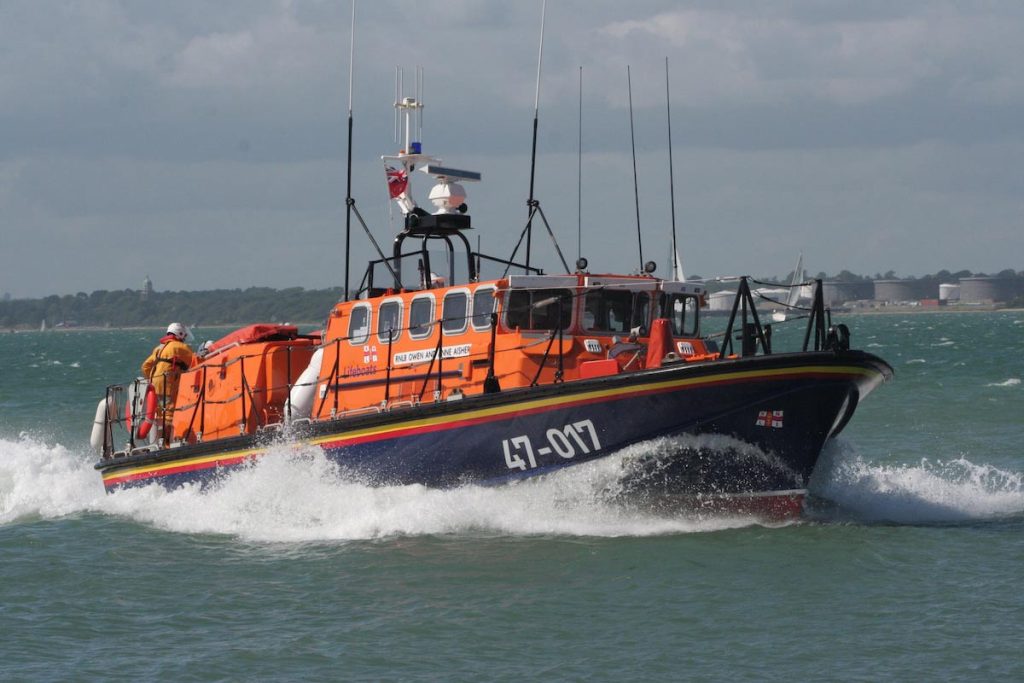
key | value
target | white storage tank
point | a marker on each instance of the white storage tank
(949, 292)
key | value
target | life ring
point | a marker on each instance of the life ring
(148, 412)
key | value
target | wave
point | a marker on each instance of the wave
(300, 496)
(929, 492)
(296, 496)
(1012, 382)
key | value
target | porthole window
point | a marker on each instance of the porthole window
(483, 306)
(421, 317)
(389, 321)
(454, 312)
(359, 324)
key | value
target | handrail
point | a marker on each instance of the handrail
(557, 331)
(491, 385)
(245, 390)
(506, 262)
(106, 420)
(387, 384)
(438, 350)
(750, 333)
(288, 375)
(200, 402)
(818, 319)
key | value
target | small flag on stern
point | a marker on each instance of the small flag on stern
(769, 418)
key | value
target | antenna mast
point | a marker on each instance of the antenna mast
(348, 181)
(579, 178)
(636, 187)
(532, 203)
(533, 154)
(676, 266)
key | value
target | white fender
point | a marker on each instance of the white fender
(105, 410)
(304, 391)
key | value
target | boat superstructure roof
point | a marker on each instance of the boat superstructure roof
(602, 281)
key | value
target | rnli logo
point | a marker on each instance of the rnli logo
(769, 418)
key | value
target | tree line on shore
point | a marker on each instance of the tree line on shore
(943, 276)
(132, 308)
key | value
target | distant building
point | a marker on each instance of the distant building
(949, 292)
(147, 288)
(989, 290)
(836, 293)
(904, 291)
(7, 296)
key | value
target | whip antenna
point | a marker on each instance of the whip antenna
(579, 178)
(533, 154)
(419, 98)
(636, 187)
(348, 180)
(677, 267)
(532, 203)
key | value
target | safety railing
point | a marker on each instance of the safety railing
(819, 334)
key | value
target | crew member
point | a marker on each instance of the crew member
(164, 366)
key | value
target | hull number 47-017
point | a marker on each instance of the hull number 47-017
(567, 442)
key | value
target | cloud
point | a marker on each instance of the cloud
(859, 131)
(275, 51)
(721, 56)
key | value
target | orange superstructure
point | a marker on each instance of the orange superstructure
(436, 344)
(242, 385)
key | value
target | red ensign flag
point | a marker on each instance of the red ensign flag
(397, 181)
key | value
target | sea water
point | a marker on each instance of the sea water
(907, 565)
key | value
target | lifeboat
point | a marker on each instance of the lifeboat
(433, 374)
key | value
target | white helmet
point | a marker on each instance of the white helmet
(178, 330)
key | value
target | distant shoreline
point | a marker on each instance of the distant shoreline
(138, 328)
(888, 310)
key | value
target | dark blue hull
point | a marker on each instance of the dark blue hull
(744, 426)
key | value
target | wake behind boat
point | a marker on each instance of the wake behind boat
(452, 379)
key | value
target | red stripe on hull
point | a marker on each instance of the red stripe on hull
(138, 476)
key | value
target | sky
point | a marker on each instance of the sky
(204, 143)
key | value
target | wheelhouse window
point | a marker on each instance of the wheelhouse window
(454, 312)
(421, 317)
(483, 306)
(389, 321)
(616, 311)
(681, 310)
(359, 324)
(539, 309)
